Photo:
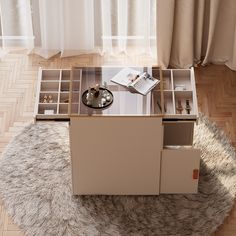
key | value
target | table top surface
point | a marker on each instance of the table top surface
(125, 103)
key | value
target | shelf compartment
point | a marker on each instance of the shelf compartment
(182, 79)
(182, 97)
(42, 108)
(75, 97)
(64, 97)
(178, 133)
(75, 86)
(53, 95)
(167, 81)
(76, 74)
(49, 86)
(50, 75)
(63, 109)
(75, 108)
(156, 102)
(168, 102)
(65, 75)
(65, 86)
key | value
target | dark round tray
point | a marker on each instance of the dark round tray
(97, 100)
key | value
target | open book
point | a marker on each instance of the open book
(137, 81)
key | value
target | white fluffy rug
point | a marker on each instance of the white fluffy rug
(35, 184)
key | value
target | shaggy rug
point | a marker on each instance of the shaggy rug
(35, 185)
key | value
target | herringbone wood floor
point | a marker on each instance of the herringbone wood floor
(216, 90)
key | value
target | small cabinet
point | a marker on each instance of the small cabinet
(180, 170)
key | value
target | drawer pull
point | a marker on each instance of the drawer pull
(195, 173)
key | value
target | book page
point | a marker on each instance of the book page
(124, 77)
(144, 85)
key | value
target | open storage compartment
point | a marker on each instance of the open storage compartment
(53, 97)
(52, 75)
(178, 132)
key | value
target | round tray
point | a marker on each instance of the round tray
(96, 102)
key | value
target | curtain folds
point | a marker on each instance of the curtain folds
(72, 27)
(15, 25)
(193, 31)
(66, 27)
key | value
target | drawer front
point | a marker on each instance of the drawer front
(178, 133)
(179, 170)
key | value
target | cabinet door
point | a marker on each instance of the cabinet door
(116, 155)
(179, 170)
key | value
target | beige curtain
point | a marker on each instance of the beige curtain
(194, 31)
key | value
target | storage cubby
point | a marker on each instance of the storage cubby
(47, 109)
(63, 108)
(156, 98)
(75, 86)
(65, 86)
(77, 75)
(47, 86)
(46, 97)
(182, 80)
(167, 80)
(75, 97)
(50, 75)
(64, 97)
(178, 133)
(168, 102)
(65, 75)
(184, 99)
(75, 108)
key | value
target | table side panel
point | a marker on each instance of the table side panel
(116, 155)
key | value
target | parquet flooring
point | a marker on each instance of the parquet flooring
(216, 90)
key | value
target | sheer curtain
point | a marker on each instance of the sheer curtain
(128, 25)
(65, 26)
(72, 27)
(15, 25)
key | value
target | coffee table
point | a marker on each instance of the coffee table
(122, 150)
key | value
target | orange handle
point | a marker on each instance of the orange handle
(195, 174)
